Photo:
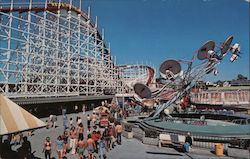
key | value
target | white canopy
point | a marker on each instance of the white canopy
(14, 118)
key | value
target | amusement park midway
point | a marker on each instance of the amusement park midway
(64, 93)
(129, 149)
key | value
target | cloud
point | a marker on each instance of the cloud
(247, 0)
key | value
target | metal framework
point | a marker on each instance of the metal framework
(53, 49)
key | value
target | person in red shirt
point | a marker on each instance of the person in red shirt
(98, 134)
(95, 137)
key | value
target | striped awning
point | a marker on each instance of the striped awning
(14, 119)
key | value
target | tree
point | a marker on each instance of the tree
(241, 77)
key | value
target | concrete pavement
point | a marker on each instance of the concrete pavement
(130, 148)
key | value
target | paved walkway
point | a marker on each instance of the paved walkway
(130, 148)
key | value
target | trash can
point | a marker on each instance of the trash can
(219, 148)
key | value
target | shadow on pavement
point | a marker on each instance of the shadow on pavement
(164, 153)
(7, 153)
(14, 154)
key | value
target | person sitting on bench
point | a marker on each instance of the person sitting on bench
(188, 143)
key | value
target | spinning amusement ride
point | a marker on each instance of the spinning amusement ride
(178, 82)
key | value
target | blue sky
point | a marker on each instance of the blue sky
(153, 31)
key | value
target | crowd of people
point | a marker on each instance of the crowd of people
(84, 135)
(87, 141)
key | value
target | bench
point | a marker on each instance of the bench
(174, 140)
(178, 141)
(164, 139)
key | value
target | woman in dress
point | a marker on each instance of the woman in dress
(59, 147)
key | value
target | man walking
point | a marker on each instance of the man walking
(118, 130)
